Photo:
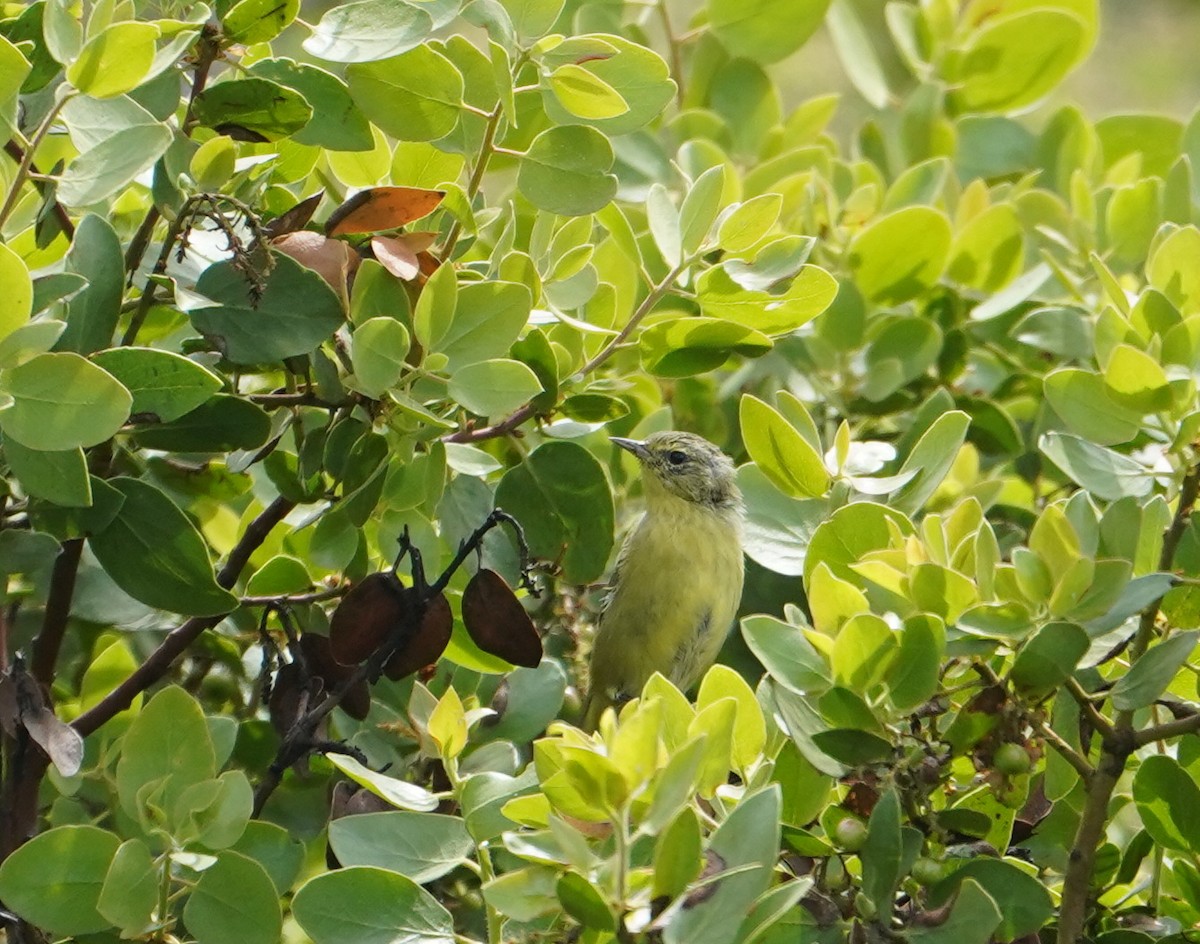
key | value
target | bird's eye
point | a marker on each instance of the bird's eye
(675, 457)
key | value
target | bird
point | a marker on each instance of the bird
(678, 579)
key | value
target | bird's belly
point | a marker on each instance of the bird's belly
(678, 618)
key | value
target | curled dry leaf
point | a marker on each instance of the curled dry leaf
(366, 615)
(498, 623)
(296, 218)
(379, 208)
(61, 742)
(427, 644)
(332, 259)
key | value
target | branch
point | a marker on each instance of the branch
(1065, 750)
(519, 416)
(14, 150)
(1090, 711)
(26, 162)
(296, 599)
(58, 610)
(179, 639)
(1167, 730)
(486, 149)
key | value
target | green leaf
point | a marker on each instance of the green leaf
(58, 477)
(900, 255)
(296, 311)
(61, 402)
(700, 207)
(1104, 473)
(368, 30)
(532, 19)
(1048, 659)
(164, 385)
(266, 109)
(809, 293)
(882, 854)
(584, 94)
(1136, 381)
(1170, 268)
(566, 171)
(931, 458)
(92, 313)
(584, 902)
(422, 846)
(61, 899)
(1150, 675)
(562, 498)
(972, 919)
(222, 423)
(989, 251)
(130, 891)
(746, 846)
(16, 292)
(1022, 899)
(749, 222)
(155, 554)
(488, 318)
(14, 71)
(28, 341)
(380, 346)
(1083, 401)
(415, 96)
(336, 122)
(493, 387)
(1167, 799)
(111, 165)
(848, 534)
(258, 21)
(388, 908)
(786, 654)
(1013, 61)
(684, 347)
(167, 748)
(784, 456)
(114, 61)
(234, 899)
(399, 793)
(765, 30)
(677, 854)
(275, 850)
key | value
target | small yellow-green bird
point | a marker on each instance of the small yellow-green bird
(678, 579)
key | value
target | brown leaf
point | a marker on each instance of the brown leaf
(285, 703)
(380, 208)
(703, 890)
(427, 644)
(395, 255)
(498, 623)
(332, 259)
(365, 617)
(861, 799)
(296, 218)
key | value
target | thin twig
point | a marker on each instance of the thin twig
(1065, 750)
(1089, 709)
(296, 599)
(15, 151)
(23, 168)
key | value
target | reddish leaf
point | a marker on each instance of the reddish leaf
(427, 644)
(365, 616)
(395, 255)
(498, 623)
(380, 208)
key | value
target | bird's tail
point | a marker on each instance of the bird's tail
(593, 708)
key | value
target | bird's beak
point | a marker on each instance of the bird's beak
(636, 446)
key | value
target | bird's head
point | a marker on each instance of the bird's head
(686, 466)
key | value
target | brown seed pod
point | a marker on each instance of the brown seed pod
(498, 623)
(427, 644)
(318, 653)
(365, 617)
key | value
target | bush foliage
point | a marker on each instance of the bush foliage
(280, 300)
